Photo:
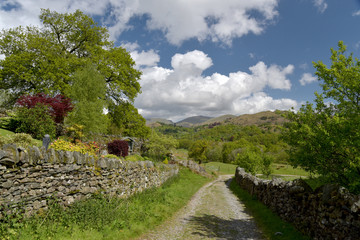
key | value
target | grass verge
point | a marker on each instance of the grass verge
(110, 218)
(272, 226)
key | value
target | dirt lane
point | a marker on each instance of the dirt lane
(213, 213)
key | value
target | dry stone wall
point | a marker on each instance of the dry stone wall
(329, 212)
(30, 177)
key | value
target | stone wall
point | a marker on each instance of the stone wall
(329, 212)
(30, 177)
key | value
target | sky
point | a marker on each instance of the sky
(216, 57)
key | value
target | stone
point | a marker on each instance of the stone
(8, 184)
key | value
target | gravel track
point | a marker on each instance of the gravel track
(212, 213)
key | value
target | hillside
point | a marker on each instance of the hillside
(220, 119)
(192, 121)
(260, 118)
(157, 121)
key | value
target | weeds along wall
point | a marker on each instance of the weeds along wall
(329, 212)
(30, 178)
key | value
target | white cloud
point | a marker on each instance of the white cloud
(356, 13)
(144, 58)
(183, 91)
(219, 21)
(307, 78)
(321, 5)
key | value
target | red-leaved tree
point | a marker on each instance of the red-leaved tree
(58, 106)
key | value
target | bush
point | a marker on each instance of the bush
(134, 158)
(118, 148)
(57, 106)
(20, 139)
(91, 148)
(36, 121)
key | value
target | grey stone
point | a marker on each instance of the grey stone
(8, 184)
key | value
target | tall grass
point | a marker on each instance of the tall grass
(110, 218)
(272, 226)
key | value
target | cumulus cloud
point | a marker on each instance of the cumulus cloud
(307, 78)
(321, 5)
(219, 21)
(183, 90)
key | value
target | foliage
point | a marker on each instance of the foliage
(325, 139)
(198, 150)
(118, 148)
(91, 148)
(110, 156)
(75, 132)
(58, 106)
(134, 158)
(127, 121)
(36, 121)
(44, 59)
(266, 162)
(88, 93)
(249, 159)
(185, 143)
(20, 139)
(157, 146)
(102, 217)
(213, 152)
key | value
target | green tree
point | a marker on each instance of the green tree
(325, 138)
(249, 159)
(198, 150)
(88, 94)
(127, 121)
(157, 146)
(45, 59)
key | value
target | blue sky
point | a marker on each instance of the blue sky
(215, 57)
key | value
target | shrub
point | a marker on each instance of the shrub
(58, 106)
(118, 148)
(134, 158)
(36, 121)
(21, 140)
(91, 148)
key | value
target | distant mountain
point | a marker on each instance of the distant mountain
(191, 121)
(155, 121)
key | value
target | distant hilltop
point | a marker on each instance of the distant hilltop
(267, 117)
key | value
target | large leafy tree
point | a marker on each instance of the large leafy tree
(44, 59)
(88, 94)
(325, 138)
(126, 120)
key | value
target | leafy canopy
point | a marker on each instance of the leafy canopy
(44, 59)
(324, 138)
(88, 93)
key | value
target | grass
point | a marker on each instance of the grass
(285, 169)
(220, 168)
(104, 218)
(272, 226)
(4, 132)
